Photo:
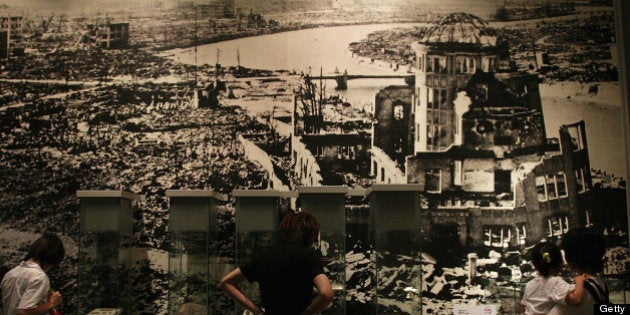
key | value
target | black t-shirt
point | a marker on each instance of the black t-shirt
(284, 273)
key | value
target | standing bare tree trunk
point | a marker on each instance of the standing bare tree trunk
(311, 99)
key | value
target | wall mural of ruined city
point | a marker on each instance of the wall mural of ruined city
(506, 115)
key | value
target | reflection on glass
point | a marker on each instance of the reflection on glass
(399, 272)
(395, 232)
(249, 242)
(193, 253)
(257, 218)
(104, 271)
(188, 272)
(331, 246)
(619, 286)
(104, 251)
(327, 204)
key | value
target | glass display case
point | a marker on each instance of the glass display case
(194, 266)
(619, 286)
(327, 204)
(257, 219)
(104, 260)
(395, 235)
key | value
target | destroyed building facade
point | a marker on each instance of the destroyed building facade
(10, 28)
(110, 35)
(471, 132)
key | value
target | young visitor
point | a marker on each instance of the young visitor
(26, 288)
(548, 293)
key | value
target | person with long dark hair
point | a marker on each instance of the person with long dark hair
(286, 272)
(26, 288)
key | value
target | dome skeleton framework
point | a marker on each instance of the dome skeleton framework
(461, 28)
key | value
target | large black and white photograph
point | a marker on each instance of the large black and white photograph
(438, 143)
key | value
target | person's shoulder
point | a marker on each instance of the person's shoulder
(533, 283)
(311, 252)
(536, 280)
(31, 270)
(556, 280)
(21, 272)
(559, 284)
(14, 271)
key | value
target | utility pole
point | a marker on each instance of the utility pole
(238, 58)
(8, 37)
(195, 43)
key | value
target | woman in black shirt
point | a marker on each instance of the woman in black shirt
(285, 272)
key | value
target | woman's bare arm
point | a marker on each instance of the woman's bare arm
(229, 285)
(323, 299)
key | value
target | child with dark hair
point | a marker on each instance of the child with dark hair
(26, 288)
(584, 250)
(549, 293)
(285, 272)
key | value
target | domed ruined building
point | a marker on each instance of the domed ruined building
(461, 28)
(471, 132)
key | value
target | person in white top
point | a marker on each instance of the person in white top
(548, 293)
(26, 288)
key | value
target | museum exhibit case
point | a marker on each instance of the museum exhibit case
(328, 205)
(194, 266)
(619, 286)
(257, 218)
(395, 235)
(104, 250)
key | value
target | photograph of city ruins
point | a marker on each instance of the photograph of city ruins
(507, 114)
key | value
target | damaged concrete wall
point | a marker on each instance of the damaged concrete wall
(393, 117)
(478, 175)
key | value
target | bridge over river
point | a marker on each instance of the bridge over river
(342, 79)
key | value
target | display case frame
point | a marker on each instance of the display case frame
(257, 217)
(395, 221)
(328, 205)
(104, 250)
(194, 265)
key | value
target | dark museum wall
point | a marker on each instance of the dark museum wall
(511, 120)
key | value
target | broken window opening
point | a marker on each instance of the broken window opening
(557, 226)
(521, 233)
(541, 189)
(398, 112)
(465, 65)
(499, 236)
(457, 173)
(580, 180)
(588, 218)
(433, 178)
(502, 181)
(577, 141)
(552, 193)
(561, 184)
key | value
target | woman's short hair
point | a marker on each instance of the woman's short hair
(584, 249)
(301, 226)
(48, 249)
(546, 256)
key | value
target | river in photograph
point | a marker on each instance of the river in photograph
(325, 50)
